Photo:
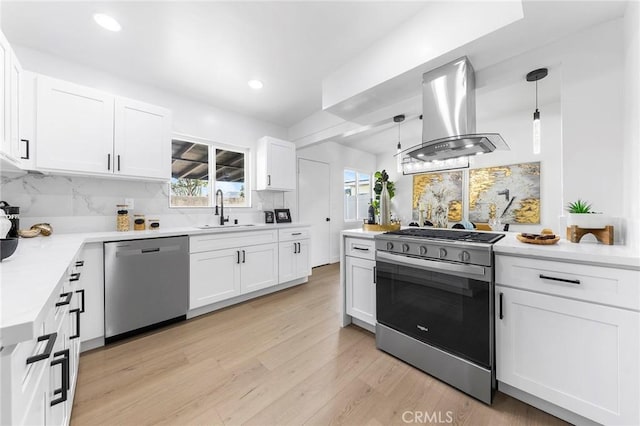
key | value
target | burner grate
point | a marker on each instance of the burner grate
(450, 235)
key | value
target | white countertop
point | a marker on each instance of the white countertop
(590, 253)
(29, 277)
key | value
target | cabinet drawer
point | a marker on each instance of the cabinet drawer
(360, 247)
(291, 234)
(607, 286)
(221, 241)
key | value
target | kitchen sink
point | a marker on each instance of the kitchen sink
(224, 226)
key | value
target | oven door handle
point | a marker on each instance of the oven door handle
(431, 265)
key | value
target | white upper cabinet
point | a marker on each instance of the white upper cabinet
(74, 128)
(86, 131)
(142, 139)
(275, 164)
(5, 72)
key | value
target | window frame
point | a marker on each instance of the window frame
(212, 146)
(357, 186)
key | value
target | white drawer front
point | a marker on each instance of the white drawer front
(360, 247)
(608, 286)
(291, 234)
(208, 242)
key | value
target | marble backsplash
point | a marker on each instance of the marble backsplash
(85, 204)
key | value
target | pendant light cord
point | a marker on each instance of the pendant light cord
(536, 95)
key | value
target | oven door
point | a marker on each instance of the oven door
(446, 305)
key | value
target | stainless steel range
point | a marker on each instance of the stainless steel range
(434, 301)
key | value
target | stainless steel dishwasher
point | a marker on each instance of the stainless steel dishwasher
(146, 285)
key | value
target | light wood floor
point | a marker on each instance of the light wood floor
(278, 360)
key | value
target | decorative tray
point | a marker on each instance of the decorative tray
(383, 228)
(542, 239)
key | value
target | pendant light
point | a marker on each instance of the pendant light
(399, 119)
(536, 75)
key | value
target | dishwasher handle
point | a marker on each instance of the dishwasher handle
(126, 251)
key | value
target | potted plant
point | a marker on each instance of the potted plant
(380, 179)
(581, 215)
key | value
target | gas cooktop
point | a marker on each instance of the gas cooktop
(449, 235)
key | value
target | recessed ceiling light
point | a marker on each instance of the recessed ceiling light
(421, 155)
(255, 84)
(469, 145)
(107, 22)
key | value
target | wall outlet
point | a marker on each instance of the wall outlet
(129, 203)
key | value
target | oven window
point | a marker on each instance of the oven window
(446, 311)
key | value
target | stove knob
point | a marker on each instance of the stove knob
(405, 248)
(423, 250)
(389, 246)
(443, 253)
(464, 256)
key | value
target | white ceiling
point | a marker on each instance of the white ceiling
(209, 50)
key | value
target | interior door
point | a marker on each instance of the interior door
(314, 197)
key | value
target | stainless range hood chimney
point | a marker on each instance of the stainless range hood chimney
(449, 118)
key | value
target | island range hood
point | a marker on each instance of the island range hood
(449, 135)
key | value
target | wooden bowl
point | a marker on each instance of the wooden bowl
(547, 242)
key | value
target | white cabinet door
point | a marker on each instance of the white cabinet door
(287, 261)
(303, 259)
(215, 276)
(578, 355)
(259, 267)
(5, 93)
(276, 165)
(74, 128)
(361, 289)
(92, 282)
(15, 94)
(142, 139)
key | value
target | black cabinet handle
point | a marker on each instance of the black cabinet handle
(244, 257)
(299, 248)
(77, 312)
(375, 273)
(51, 340)
(26, 142)
(360, 248)
(295, 248)
(81, 293)
(500, 314)
(328, 219)
(75, 276)
(268, 180)
(79, 263)
(296, 233)
(108, 161)
(118, 162)
(67, 299)
(65, 376)
(564, 280)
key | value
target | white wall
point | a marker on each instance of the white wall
(339, 158)
(583, 149)
(631, 171)
(73, 204)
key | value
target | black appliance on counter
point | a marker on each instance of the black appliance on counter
(434, 302)
(13, 214)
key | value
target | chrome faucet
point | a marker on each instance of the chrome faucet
(222, 218)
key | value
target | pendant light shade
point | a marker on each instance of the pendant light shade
(399, 119)
(536, 75)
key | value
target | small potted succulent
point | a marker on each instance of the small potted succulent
(581, 215)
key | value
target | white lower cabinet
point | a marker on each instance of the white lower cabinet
(222, 274)
(576, 354)
(361, 289)
(293, 260)
(39, 375)
(215, 276)
(90, 265)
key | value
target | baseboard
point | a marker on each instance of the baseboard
(362, 324)
(244, 297)
(541, 404)
(91, 344)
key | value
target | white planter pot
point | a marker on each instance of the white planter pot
(589, 220)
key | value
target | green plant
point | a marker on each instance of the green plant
(381, 177)
(184, 187)
(579, 207)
